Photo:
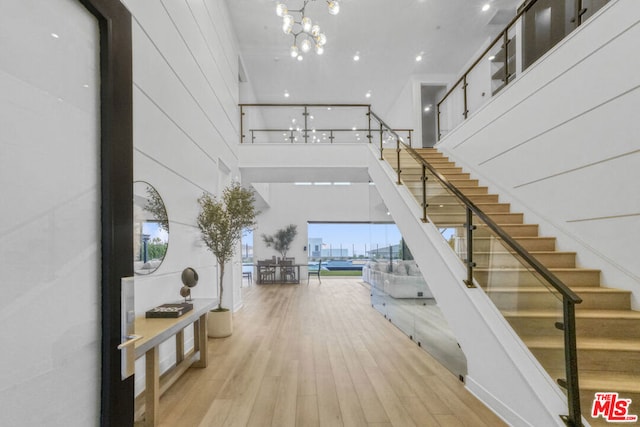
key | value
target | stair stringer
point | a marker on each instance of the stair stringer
(502, 372)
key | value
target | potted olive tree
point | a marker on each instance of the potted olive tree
(282, 239)
(221, 222)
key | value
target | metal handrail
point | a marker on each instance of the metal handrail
(305, 131)
(530, 259)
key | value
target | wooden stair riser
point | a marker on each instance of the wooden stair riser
(451, 199)
(488, 208)
(514, 230)
(591, 359)
(415, 181)
(522, 277)
(585, 327)
(529, 243)
(436, 188)
(497, 259)
(511, 300)
(458, 219)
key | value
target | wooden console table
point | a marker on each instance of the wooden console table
(155, 331)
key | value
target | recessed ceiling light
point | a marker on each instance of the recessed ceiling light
(492, 57)
(427, 108)
(293, 120)
(368, 94)
(55, 36)
(356, 57)
(486, 7)
(300, 57)
(419, 57)
(354, 128)
(286, 93)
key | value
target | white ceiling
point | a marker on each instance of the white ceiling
(388, 34)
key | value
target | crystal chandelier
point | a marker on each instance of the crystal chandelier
(306, 34)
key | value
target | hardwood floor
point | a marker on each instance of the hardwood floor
(318, 355)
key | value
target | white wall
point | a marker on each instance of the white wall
(561, 144)
(50, 216)
(186, 129)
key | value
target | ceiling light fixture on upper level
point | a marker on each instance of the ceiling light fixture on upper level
(356, 57)
(298, 24)
(486, 7)
(419, 57)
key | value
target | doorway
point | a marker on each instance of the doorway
(429, 97)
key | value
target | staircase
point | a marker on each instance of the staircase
(608, 331)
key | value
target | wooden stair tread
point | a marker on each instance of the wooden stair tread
(584, 343)
(586, 314)
(531, 252)
(515, 238)
(610, 381)
(576, 289)
(552, 269)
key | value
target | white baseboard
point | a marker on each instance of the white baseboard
(496, 405)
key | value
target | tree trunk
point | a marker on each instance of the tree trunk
(220, 287)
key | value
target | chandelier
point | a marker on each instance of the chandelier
(306, 34)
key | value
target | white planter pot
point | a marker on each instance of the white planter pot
(219, 324)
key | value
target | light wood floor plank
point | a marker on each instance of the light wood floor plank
(318, 355)
(307, 411)
(263, 408)
(286, 399)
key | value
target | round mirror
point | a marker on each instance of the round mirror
(150, 228)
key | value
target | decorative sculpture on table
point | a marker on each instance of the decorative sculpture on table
(189, 280)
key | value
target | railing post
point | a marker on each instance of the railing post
(438, 121)
(470, 264)
(409, 138)
(464, 89)
(398, 157)
(505, 42)
(253, 136)
(306, 131)
(571, 363)
(369, 128)
(331, 136)
(381, 141)
(425, 205)
(241, 124)
(291, 137)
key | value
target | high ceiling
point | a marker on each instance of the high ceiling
(388, 34)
